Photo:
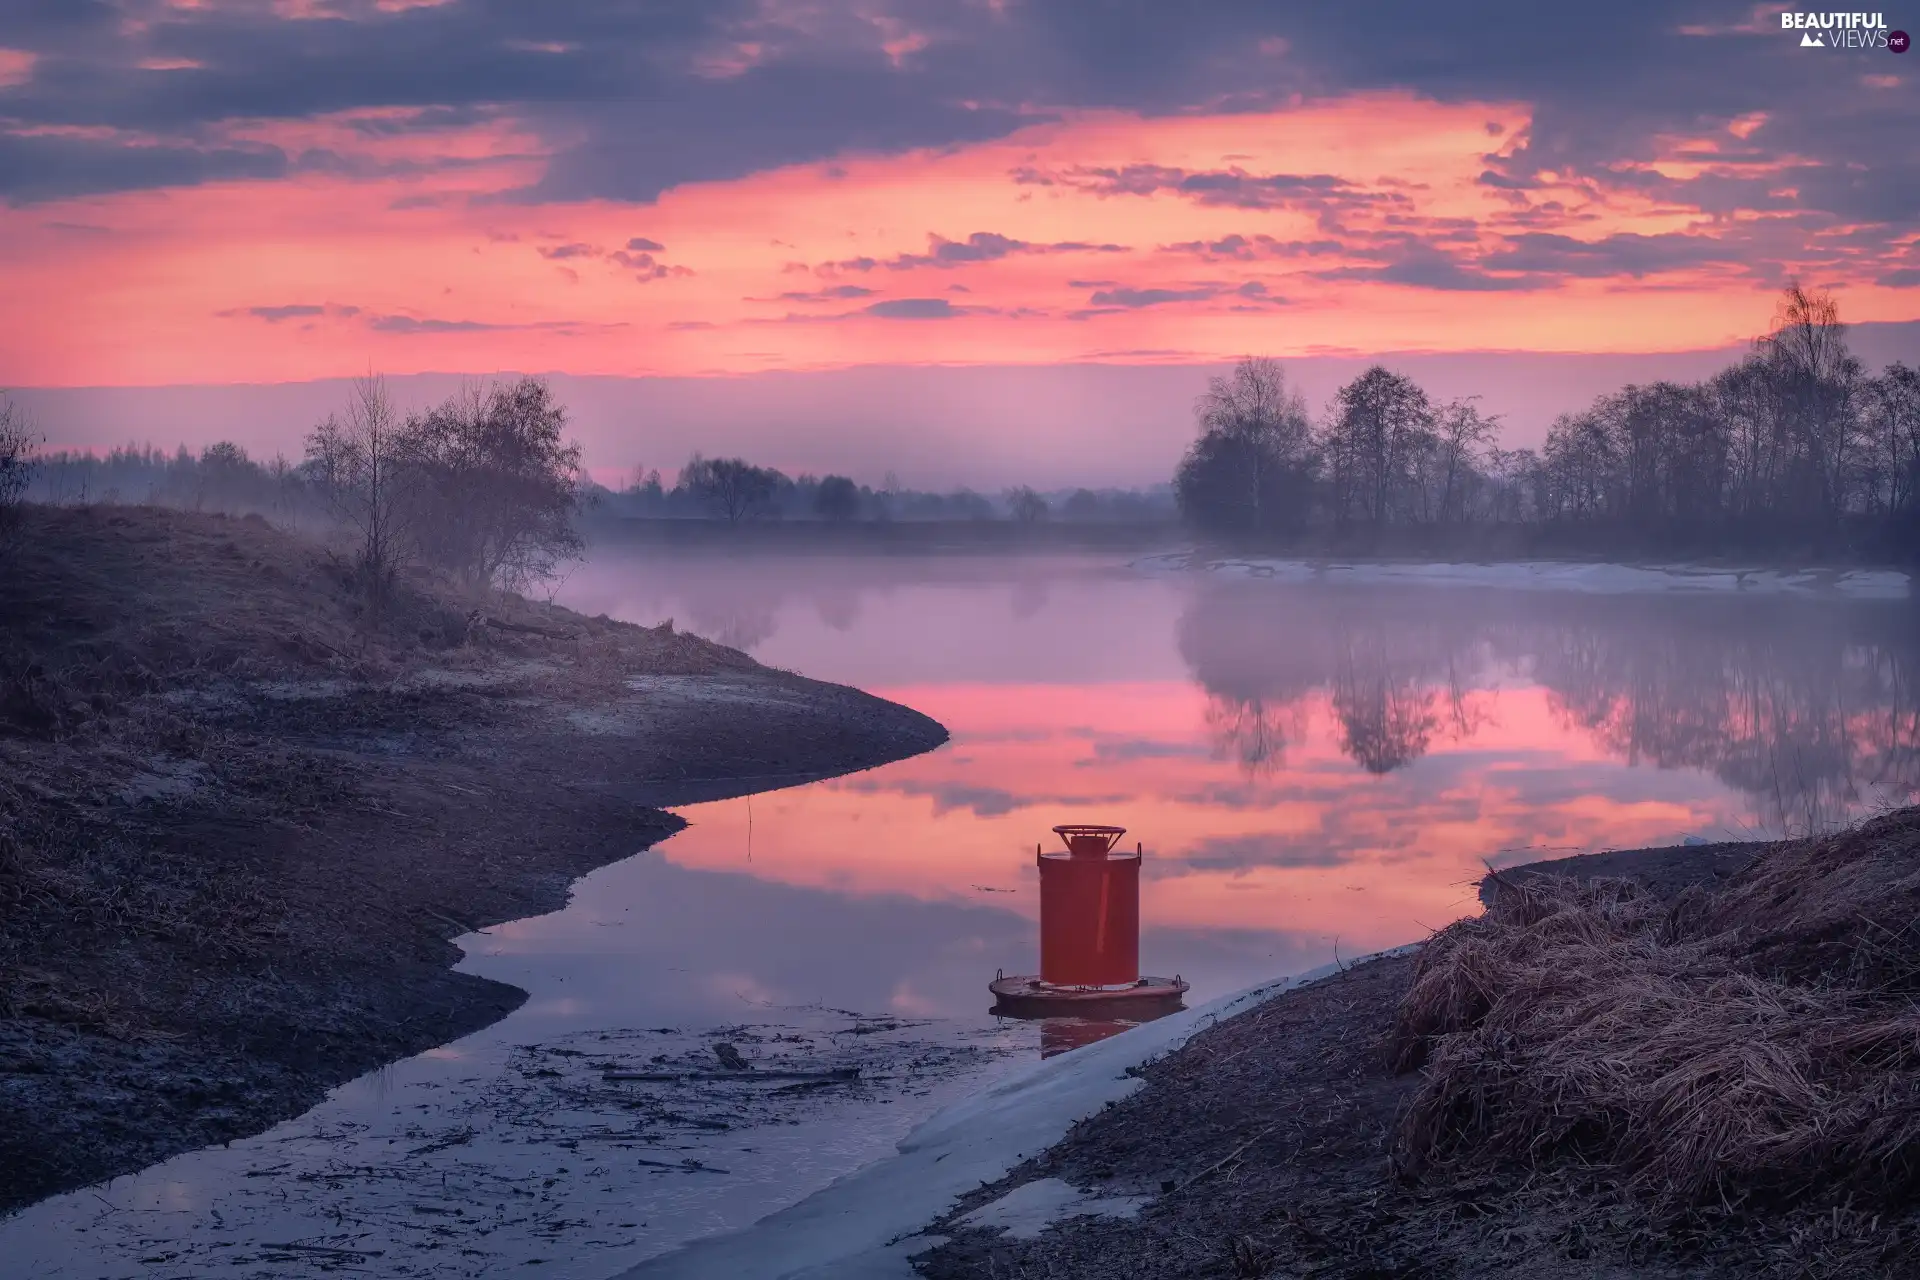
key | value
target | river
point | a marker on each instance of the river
(1313, 769)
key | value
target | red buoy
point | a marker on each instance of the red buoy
(1089, 936)
(1089, 910)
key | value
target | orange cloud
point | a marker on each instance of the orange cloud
(1362, 224)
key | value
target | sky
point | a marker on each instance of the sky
(214, 193)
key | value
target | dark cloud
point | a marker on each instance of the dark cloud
(915, 309)
(431, 324)
(644, 266)
(638, 99)
(1128, 298)
(835, 293)
(981, 246)
(1239, 248)
(1626, 254)
(411, 324)
(274, 314)
(1319, 193)
(290, 311)
(1409, 261)
(42, 167)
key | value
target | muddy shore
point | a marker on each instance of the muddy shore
(241, 820)
(1272, 1144)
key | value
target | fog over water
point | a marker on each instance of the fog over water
(1309, 767)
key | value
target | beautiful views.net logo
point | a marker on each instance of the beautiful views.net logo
(1844, 31)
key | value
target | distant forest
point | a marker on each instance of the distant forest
(1795, 448)
(223, 477)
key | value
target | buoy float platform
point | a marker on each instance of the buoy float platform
(1089, 937)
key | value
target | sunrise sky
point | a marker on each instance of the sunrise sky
(266, 191)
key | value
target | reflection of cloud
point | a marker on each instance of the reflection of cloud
(1263, 849)
(987, 802)
(1119, 750)
(981, 801)
(984, 802)
(739, 987)
(910, 1003)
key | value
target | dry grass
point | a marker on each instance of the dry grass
(100, 606)
(1756, 1045)
(108, 616)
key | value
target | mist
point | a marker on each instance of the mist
(984, 427)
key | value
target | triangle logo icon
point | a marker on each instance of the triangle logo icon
(1812, 41)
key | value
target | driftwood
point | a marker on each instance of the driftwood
(326, 1249)
(689, 1166)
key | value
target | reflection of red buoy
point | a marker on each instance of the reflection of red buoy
(1089, 937)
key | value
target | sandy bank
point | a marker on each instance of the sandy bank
(239, 820)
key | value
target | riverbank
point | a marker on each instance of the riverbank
(1581, 576)
(1702, 1066)
(241, 820)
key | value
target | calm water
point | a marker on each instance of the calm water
(1309, 769)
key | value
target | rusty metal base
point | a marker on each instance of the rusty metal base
(1025, 996)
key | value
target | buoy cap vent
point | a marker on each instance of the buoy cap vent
(1083, 838)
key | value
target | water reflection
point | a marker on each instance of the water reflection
(1809, 709)
(1058, 1035)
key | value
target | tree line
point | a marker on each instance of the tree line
(736, 491)
(1797, 444)
(484, 486)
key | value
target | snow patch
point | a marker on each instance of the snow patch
(1032, 1207)
(1549, 575)
(869, 1223)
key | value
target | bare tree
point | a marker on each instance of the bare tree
(735, 486)
(17, 442)
(1464, 434)
(1818, 379)
(497, 485)
(1892, 421)
(1256, 409)
(362, 463)
(1382, 423)
(1026, 504)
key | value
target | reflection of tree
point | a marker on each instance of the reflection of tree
(1386, 721)
(1253, 732)
(740, 624)
(838, 607)
(1813, 710)
(1810, 710)
(1029, 597)
(1260, 649)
